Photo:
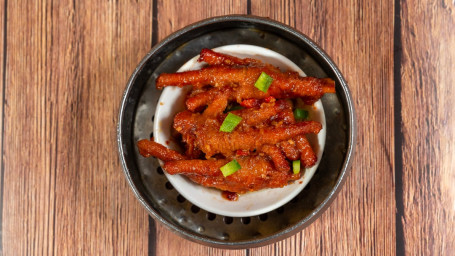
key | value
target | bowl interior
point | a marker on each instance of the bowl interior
(165, 203)
(254, 203)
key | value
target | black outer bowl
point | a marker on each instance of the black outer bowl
(146, 177)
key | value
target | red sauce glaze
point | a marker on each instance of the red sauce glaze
(241, 152)
(231, 196)
(250, 103)
(267, 122)
(270, 99)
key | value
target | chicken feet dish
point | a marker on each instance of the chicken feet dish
(241, 130)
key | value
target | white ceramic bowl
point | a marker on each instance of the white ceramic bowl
(253, 203)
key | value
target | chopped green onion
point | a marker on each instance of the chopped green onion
(230, 122)
(296, 166)
(300, 114)
(230, 168)
(263, 83)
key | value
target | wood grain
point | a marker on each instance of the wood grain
(2, 86)
(361, 221)
(427, 98)
(174, 15)
(170, 19)
(68, 63)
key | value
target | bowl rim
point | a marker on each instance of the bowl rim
(323, 58)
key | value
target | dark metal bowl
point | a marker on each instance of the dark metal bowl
(146, 178)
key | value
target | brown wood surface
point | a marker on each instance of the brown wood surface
(67, 64)
(428, 127)
(170, 19)
(363, 226)
(64, 66)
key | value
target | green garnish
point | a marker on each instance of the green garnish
(296, 166)
(230, 168)
(300, 114)
(230, 122)
(263, 83)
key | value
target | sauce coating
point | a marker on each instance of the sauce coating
(263, 143)
(231, 196)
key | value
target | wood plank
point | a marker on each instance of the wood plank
(428, 121)
(64, 191)
(358, 36)
(2, 77)
(172, 15)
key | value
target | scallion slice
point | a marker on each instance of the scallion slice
(230, 168)
(230, 122)
(263, 83)
(296, 166)
(300, 114)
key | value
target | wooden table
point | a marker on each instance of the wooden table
(64, 66)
